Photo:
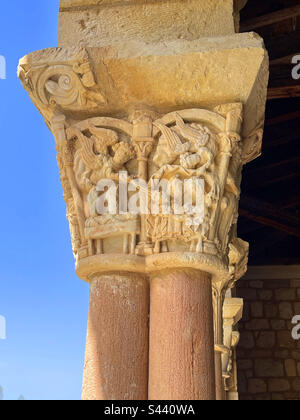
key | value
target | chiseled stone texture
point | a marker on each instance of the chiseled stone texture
(107, 22)
(268, 357)
(200, 73)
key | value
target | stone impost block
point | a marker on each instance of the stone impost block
(101, 23)
(164, 76)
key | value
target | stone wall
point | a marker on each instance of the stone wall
(268, 357)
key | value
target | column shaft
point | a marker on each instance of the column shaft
(116, 363)
(181, 337)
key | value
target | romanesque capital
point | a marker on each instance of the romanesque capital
(154, 113)
(141, 144)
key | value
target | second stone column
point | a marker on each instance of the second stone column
(181, 358)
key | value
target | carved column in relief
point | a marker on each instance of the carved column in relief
(232, 313)
(144, 103)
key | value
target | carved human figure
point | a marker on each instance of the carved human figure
(101, 157)
(185, 152)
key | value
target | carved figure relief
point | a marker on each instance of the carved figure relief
(187, 145)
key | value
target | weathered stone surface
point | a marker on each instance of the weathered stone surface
(285, 294)
(266, 340)
(277, 283)
(108, 22)
(246, 312)
(260, 354)
(181, 312)
(296, 355)
(269, 368)
(291, 396)
(247, 341)
(243, 383)
(285, 340)
(278, 385)
(271, 310)
(281, 354)
(296, 384)
(277, 324)
(286, 310)
(290, 367)
(256, 284)
(257, 310)
(118, 319)
(244, 364)
(247, 294)
(257, 386)
(265, 294)
(262, 397)
(295, 283)
(185, 73)
(257, 324)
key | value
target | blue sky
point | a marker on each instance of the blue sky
(44, 303)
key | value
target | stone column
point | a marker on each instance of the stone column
(181, 362)
(116, 363)
(143, 93)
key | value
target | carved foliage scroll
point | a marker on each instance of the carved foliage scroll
(63, 84)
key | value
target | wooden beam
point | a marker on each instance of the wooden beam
(273, 162)
(282, 118)
(264, 239)
(268, 215)
(293, 201)
(281, 84)
(281, 92)
(282, 134)
(283, 45)
(247, 226)
(275, 272)
(277, 261)
(270, 18)
(263, 177)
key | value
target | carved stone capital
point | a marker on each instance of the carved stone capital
(192, 144)
(153, 121)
